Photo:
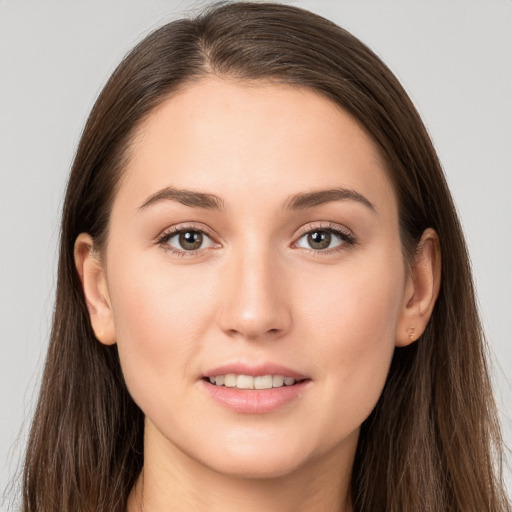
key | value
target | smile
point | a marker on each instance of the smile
(248, 394)
(232, 380)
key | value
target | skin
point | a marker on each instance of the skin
(256, 292)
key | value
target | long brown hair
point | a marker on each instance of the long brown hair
(432, 442)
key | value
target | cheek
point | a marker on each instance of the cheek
(160, 322)
(353, 325)
(357, 301)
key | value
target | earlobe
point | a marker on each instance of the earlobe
(421, 290)
(92, 276)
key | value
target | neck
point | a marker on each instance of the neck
(177, 482)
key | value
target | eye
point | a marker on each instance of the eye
(323, 239)
(186, 240)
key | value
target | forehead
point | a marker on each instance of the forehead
(223, 136)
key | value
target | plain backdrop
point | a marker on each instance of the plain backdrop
(453, 57)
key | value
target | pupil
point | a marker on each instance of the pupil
(319, 239)
(191, 240)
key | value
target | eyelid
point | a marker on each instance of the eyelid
(326, 226)
(171, 231)
(339, 230)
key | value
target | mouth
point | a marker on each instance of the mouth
(256, 388)
(249, 382)
(255, 394)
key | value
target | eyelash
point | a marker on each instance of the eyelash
(164, 238)
(345, 236)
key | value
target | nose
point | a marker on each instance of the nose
(255, 305)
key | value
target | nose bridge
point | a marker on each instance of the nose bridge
(256, 305)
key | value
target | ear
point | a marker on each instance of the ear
(421, 289)
(92, 276)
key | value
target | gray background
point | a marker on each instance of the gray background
(453, 57)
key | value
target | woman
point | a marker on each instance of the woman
(264, 297)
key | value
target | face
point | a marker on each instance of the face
(254, 237)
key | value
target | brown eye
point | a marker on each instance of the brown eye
(319, 239)
(324, 239)
(187, 240)
(190, 240)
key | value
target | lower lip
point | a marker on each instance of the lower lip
(251, 401)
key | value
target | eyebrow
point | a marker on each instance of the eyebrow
(300, 201)
(305, 200)
(185, 197)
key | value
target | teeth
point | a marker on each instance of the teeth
(264, 382)
(248, 382)
(245, 382)
(229, 380)
(277, 381)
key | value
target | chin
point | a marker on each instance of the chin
(257, 457)
(256, 467)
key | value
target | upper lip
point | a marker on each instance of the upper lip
(254, 370)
